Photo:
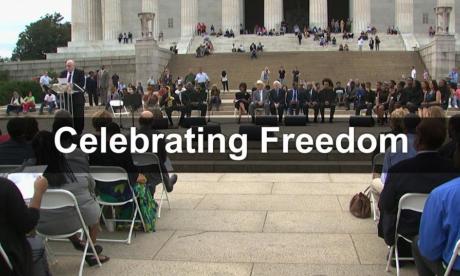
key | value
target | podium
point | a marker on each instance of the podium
(64, 91)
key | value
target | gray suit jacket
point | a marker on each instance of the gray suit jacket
(256, 97)
(104, 80)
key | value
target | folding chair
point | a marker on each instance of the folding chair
(377, 162)
(145, 161)
(120, 107)
(114, 176)
(453, 259)
(5, 258)
(57, 199)
(413, 202)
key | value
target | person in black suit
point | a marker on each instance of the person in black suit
(277, 99)
(327, 99)
(91, 88)
(171, 102)
(421, 174)
(76, 80)
(195, 99)
(293, 100)
(310, 99)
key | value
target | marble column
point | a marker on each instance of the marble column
(449, 3)
(152, 6)
(273, 14)
(231, 15)
(318, 14)
(94, 20)
(361, 15)
(79, 20)
(112, 19)
(189, 17)
(404, 16)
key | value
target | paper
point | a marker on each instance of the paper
(25, 183)
(62, 81)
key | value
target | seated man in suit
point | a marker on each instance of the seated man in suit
(309, 99)
(259, 99)
(171, 102)
(277, 99)
(327, 99)
(439, 231)
(421, 174)
(196, 100)
(293, 100)
(152, 174)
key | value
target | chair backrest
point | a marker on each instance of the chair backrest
(6, 169)
(377, 161)
(145, 159)
(108, 174)
(116, 103)
(455, 255)
(413, 202)
(56, 199)
(5, 257)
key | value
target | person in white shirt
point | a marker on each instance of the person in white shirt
(361, 44)
(413, 73)
(202, 79)
(49, 101)
(45, 80)
(151, 81)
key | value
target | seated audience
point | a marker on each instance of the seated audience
(29, 103)
(16, 150)
(172, 102)
(259, 100)
(17, 220)
(292, 100)
(451, 150)
(421, 174)
(327, 99)
(195, 100)
(439, 231)
(310, 99)
(49, 101)
(15, 104)
(277, 100)
(61, 174)
(241, 100)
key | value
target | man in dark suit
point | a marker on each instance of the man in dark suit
(76, 81)
(327, 99)
(421, 174)
(195, 100)
(277, 99)
(293, 100)
(310, 99)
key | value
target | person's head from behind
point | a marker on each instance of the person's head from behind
(31, 128)
(410, 123)
(58, 171)
(397, 120)
(16, 129)
(430, 135)
(112, 129)
(101, 119)
(146, 119)
(63, 118)
(454, 128)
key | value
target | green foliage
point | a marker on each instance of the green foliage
(4, 75)
(22, 87)
(41, 37)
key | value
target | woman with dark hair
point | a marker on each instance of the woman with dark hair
(60, 175)
(431, 97)
(16, 221)
(224, 79)
(242, 100)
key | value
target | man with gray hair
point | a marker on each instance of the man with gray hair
(277, 100)
(76, 82)
(259, 99)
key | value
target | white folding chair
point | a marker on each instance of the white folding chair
(413, 202)
(376, 161)
(57, 199)
(146, 160)
(116, 175)
(455, 254)
(5, 258)
(120, 107)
